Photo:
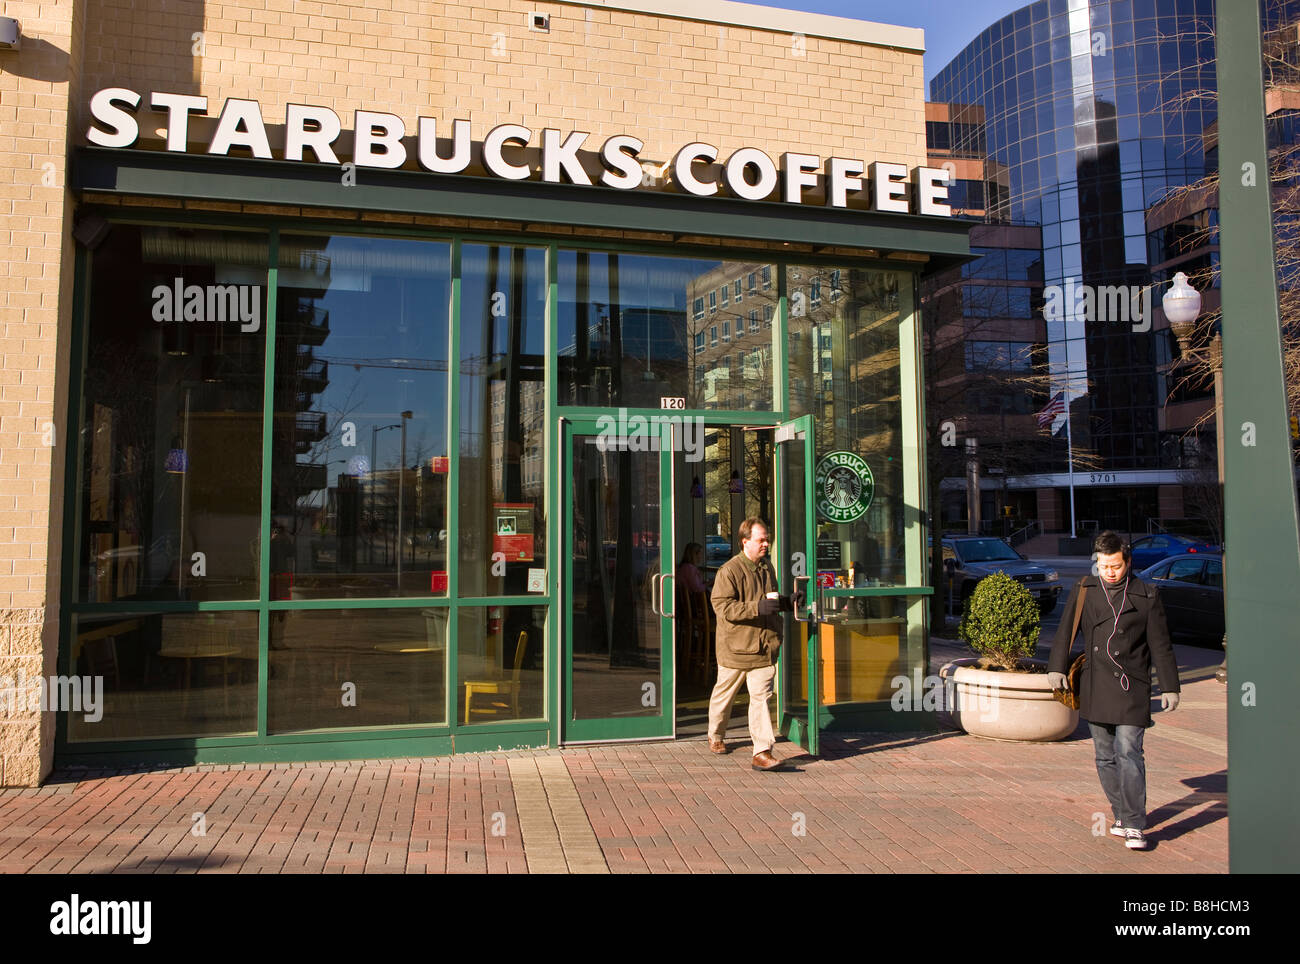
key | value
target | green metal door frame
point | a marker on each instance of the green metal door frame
(803, 730)
(573, 730)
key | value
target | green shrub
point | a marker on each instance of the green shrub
(1001, 621)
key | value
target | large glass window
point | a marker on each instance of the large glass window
(502, 667)
(625, 332)
(502, 510)
(853, 391)
(359, 450)
(149, 675)
(171, 468)
(346, 668)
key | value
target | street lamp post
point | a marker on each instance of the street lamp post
(1182, 304)
(374, 468)
(401, 490)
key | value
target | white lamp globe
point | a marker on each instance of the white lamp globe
(1182, 302)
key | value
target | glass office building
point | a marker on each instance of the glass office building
(1092, 112)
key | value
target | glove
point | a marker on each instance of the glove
(799, 599)
(1169, 702)
(787, 604)
(1057, 681)
(768, 607)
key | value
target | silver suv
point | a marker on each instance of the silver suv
(968, 559)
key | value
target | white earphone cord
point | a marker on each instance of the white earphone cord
(1123, 677)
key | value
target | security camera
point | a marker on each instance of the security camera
(10, 33)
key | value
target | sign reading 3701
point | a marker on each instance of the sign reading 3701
(845, 487)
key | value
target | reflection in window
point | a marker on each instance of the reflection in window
(348, 668)
(626, 339)
(360, 460)
(170, 490)
(165, 675)
(502, 418)
(844, 371)
(502, 668)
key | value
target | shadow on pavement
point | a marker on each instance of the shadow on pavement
(858, 744)
(1211, 788)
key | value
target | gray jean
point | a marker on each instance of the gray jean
(1122, 770)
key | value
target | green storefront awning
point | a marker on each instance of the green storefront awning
(254, 181)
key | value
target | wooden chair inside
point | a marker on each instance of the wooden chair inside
(506, 691)
(697, 631)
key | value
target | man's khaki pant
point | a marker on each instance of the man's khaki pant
(760, 698)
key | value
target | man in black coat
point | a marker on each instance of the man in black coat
(1124, 632)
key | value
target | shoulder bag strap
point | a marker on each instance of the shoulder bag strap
(1078, 615)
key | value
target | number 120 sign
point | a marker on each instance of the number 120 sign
(668, 401)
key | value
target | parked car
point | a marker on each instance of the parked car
(1149, 550)
(968, 559)
(717, 551)
(1191, 588)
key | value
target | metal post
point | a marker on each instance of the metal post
(374, 470)
(1216, 363)
(972, 486)
(1069, 444)
(401, 493)
(1261, 527)
(185, 491)
(370, 554)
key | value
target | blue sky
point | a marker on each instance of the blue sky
(949, 25)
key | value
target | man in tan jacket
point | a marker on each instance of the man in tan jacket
(748, 610)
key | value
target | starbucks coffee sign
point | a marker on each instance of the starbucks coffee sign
(845, 487)
(511, 151)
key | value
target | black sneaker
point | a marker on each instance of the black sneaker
(1133, 839)
(1117, 829)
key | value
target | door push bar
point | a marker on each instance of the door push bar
(812, 605)
(657, 606)
(817, 604)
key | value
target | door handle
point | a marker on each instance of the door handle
(663, 606)
(807, 601)
(654, 593)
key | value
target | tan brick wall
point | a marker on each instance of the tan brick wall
(668, 81)
(37, 86)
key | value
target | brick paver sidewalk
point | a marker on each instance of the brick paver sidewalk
(871, 803)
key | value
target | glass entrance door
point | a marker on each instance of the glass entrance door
(799, 675)
(618, 583)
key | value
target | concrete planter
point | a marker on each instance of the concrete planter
(1002, 705)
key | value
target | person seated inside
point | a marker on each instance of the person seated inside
(688, 570)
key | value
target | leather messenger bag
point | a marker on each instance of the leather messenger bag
(1070, 696)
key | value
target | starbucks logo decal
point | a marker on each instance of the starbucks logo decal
(844, 487)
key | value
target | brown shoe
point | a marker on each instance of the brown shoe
(765, 761)
(717, 746)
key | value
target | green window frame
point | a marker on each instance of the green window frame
(452, 735)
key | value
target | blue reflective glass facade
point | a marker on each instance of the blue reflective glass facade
(1096, 110)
